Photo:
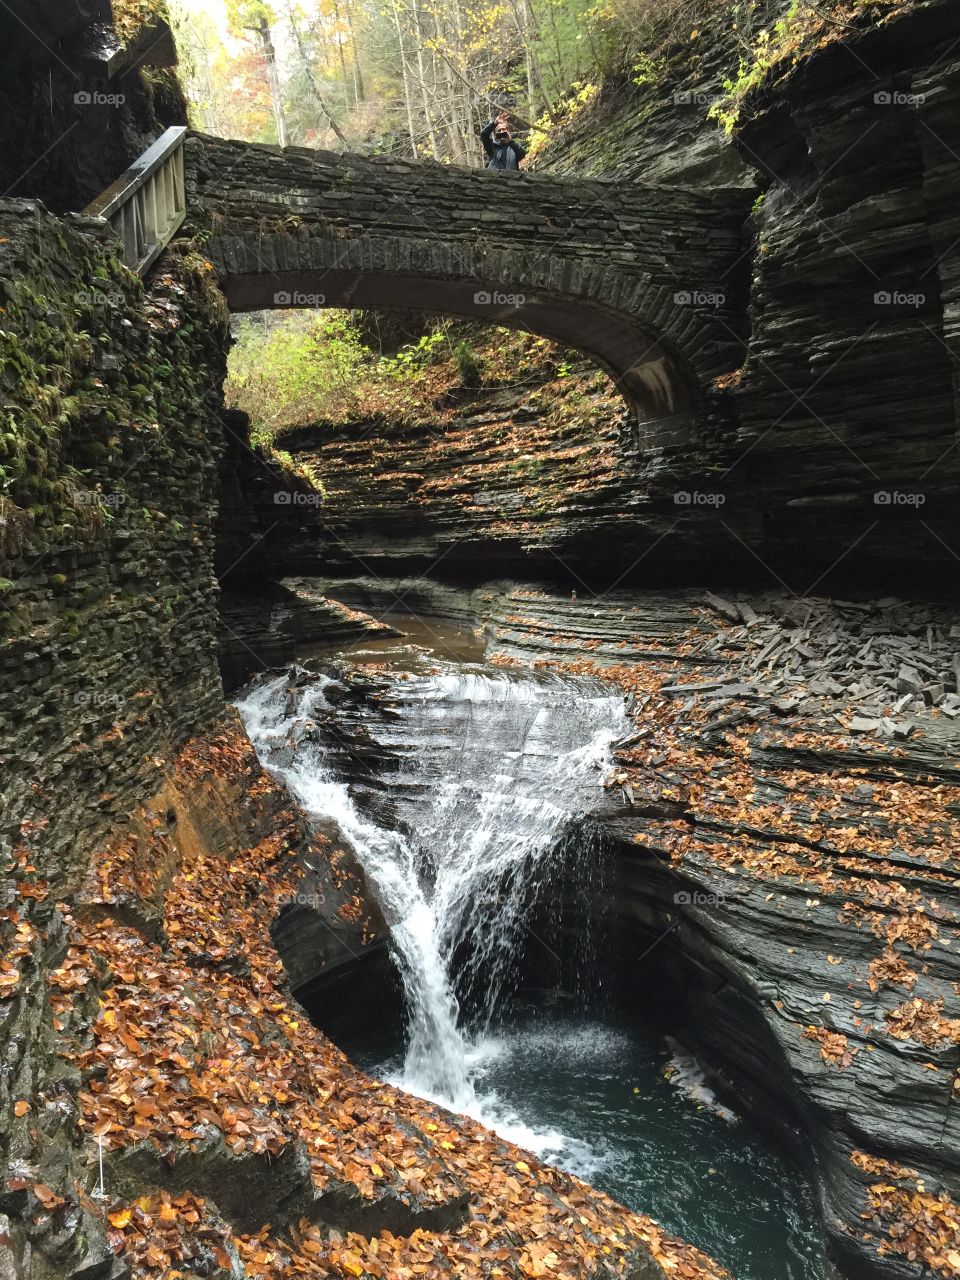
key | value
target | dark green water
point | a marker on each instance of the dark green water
(593, 1099)
(590, 1095)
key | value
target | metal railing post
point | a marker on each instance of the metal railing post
(147, 205)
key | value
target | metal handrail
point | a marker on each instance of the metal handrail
(147, 205)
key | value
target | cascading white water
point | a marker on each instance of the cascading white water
(493, 767)
(503, 764)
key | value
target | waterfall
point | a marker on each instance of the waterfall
(494, 768)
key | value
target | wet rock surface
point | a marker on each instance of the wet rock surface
(274, 623)
(846, 402)
(108, 598)
(233, 1132)
(548, 474)
(784, 880)
(106, 627)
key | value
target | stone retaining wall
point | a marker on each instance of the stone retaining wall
(109, 439)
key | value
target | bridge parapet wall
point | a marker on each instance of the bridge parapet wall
(648, 280)
(688, 240)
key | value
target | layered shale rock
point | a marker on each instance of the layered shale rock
(234, 1137)
(782, 879)
(108, 437)
(110, 440)
(847, 399)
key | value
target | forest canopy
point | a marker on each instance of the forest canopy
(420, 77)
(416, 77)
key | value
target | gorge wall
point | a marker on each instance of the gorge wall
(111, 437)
(87, 86)
(109, 441)
(851, 373)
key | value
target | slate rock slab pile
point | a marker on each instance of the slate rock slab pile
(795, 874)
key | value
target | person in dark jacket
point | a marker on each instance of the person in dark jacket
(502, 151)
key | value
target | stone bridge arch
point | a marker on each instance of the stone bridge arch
(646, 281)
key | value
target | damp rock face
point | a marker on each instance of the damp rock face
(832, 461)
(110, 446)
(109, 438)
(782, 879)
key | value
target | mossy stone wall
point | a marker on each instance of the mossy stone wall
(109, 443)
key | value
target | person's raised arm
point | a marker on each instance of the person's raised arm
(486, 137)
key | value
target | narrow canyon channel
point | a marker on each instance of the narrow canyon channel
(466, 807)
(479, 640)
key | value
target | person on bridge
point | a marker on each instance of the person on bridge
(502, 151)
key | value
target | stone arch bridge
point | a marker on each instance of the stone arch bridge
(649, 281)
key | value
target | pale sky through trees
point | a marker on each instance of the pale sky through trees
(407, 77)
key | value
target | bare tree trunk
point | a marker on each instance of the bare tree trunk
(461, 95)
(533, 64)
(265, 36)
(311, 78)
(526, 34)
(421, 76)
(454, 138)
(563, 77)
(273, 79)
(339, 37)
(357, 73)
(406, 78)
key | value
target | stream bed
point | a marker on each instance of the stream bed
(490, 771)
(629, 1112)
